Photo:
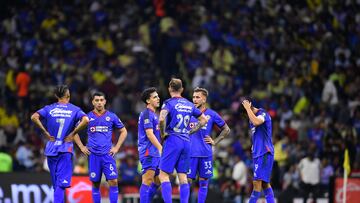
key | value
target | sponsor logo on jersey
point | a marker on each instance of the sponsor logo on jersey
(183, 108)
(58, 112)
(99, 129)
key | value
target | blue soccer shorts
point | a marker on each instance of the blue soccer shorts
(60, 167)
(263, 167)
(202, 166)
(99, 164)
(176, 155)
(150, 163)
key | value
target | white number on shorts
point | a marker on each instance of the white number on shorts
(61, 122)
(207, 164)
(111, 167)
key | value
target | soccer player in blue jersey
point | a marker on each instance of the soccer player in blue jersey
(262, 151)
(174, 119)
(149, 144)
(58, 122)
(201, 143)
(99, 147)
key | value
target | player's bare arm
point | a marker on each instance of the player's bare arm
(36, 119)
(162, 117)
(202, 121)
(122, 137)
(253, 118)
(150, 134)
(225, 131)
(82, 147)
(83, 123)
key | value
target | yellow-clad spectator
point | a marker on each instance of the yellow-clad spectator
(99, 77)
(10, 80)
(6, 162)
(144, 33)
(10, 122)
(125, 60)
(105, 44)
(223, 59)
(165, 24)
(302, 104)
(280, 153)
(49, 23)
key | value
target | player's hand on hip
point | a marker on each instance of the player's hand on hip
(85, 150)
(113, 151)
(209, 140)
(49, 137)
(69, 138)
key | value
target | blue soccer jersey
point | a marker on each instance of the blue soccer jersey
(262, 135)
(148, 120)
(100, 130)
(199, 148)
(60, 120)
(180, 111)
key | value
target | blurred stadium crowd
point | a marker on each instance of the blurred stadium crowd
(300, 61)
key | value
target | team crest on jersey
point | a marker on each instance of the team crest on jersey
(107, 118)
(92, 129)
(146, 121)
(192, 125)
(92, 175)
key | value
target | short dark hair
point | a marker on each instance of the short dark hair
(175, 84)
(145, 95)
(99, 94)
(61, 90)
(247, 98)
(202, 90)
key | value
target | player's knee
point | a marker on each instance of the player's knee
(265, 185)
(113, 182)
(190, 181)
(257, 185)
(183, 178)
(147, 179)
(163, 176)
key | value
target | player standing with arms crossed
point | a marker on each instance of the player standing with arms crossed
(262, 151)
(100, 149)
(149, 146)
(58, 123)
(201, 143)
(174, 119)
